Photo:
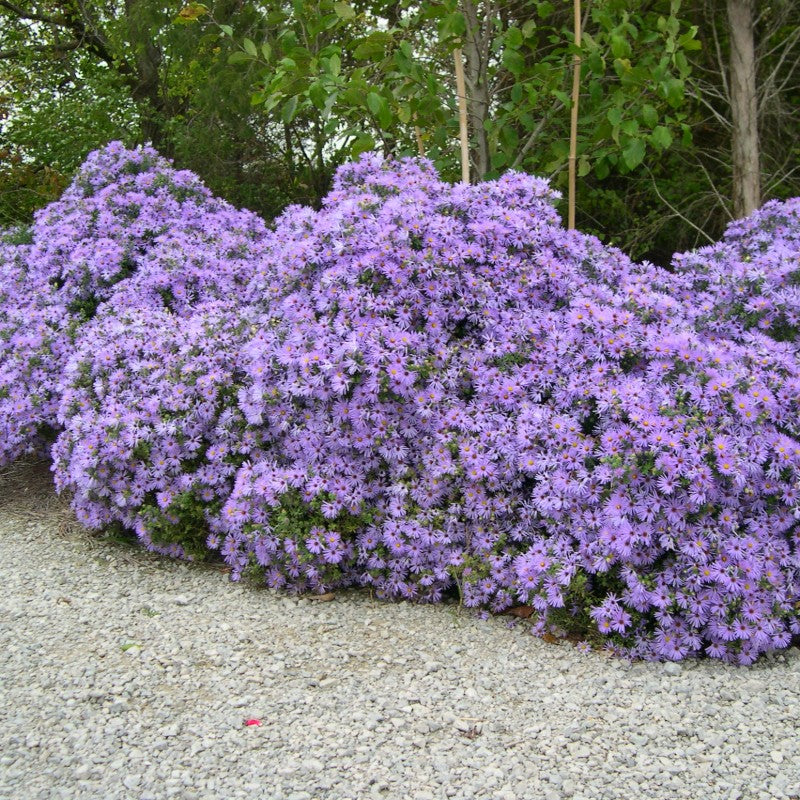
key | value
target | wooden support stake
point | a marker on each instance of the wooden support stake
(420, 144)
(461, 91)
(573, 133)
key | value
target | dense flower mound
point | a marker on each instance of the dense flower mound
(463, 392)
(33, 334)
(152, 435)
(131, 231)
(426, 388)
(749, 282)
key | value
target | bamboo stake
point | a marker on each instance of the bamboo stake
(461, 91)
(573, 133)
(420, 144)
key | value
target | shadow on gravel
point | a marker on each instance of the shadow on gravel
(26, 489)
(27, 493)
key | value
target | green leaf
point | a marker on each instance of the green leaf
(614, 116)
(379, 106)
(672, 89)
(373, 47)
(528, 29)
(375, 102)
(545, 9)
(250, 47)
(363, 144)
(630, 126)
(601, 168)
(344, 10)
(620, 47)
(687, 40)
(649, 115)
(452, 25)
(514, 38)
(266, 51)
(335, 65)
(226, 29)
(513, 61)
(633, 154)
(563, 97)
(318, 94)
(499, 159)
(661, 137)
(239, 57)
(673, 26)
(289, 109)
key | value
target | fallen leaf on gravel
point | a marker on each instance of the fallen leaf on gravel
(323, 598)
(523, 612)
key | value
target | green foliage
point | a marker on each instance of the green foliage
(265, 101)
(294, 521)
(183, 523)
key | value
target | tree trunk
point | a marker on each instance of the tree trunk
(476, 55)
(744, 109)
(146, 87)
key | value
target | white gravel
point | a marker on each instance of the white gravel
(125, 676)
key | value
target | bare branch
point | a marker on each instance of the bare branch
(766, 90)
(720, 60)
(675, 210)
(782, 178)
(531, 140)
(720, 118)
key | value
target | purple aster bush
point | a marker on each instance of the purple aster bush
(152, 436)
(33, 332)
(465, 394)
(130, 231)
(749, 282)
(429, 389)
(367, 332)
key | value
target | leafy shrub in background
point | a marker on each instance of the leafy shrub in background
(425, 388)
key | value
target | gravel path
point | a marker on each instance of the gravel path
(125, 676)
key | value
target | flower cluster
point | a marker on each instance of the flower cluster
(130, 231)
(152, 437)
(524, 413)
(426, 388)
(747, 285)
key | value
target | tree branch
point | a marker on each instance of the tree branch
(675, 210)
(50, 49)
(32, 15)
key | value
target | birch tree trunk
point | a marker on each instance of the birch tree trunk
(476, 55)
(744, 109)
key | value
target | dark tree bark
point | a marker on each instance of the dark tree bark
(744, 109)
(146, 88)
